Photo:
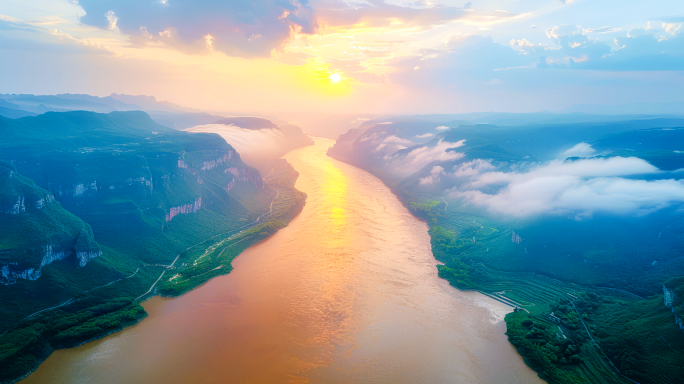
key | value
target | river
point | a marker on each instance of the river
(347, 293)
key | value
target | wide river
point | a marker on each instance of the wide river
(347, 293)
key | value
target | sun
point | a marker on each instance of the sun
(335, 77)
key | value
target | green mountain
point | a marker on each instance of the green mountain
(36, 230)
(580, 227)
(100, 211)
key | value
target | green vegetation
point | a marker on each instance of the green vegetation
(429, 210)
(33, 225)
(569, 333)
(589, 293)
(23, 348)
(137, 208)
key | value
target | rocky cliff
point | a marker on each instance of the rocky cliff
(36, 230)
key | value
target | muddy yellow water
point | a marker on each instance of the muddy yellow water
(347, 293)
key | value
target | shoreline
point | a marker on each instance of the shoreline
(289, 215)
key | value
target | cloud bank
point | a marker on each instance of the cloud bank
(580, 187)
(249, 143)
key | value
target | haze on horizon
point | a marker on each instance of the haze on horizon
(334, 56)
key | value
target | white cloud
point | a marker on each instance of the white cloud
(672, 28)
(602, 30)
(455, 40)
(422, 156)
(557, 32)
(442, 128)
(434, 176)
(553, 194)
(581, 187)
(389, 144)
(209, 39)
(580, 150)
(585, 168)
(275, 22)
(472, 168)
(397, 140)
(145, 32)
(425, 136)
(112, 20)
(248, 142)
(522, 43)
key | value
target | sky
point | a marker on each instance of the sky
(335, 56)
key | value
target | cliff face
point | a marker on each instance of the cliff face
(95, 210)
(673, 290)
(36, 230)
(122, 175)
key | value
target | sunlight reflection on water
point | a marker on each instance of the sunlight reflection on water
(348, 292)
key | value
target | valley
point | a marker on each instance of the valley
(127, 210)
(585, 269)
(347, 292)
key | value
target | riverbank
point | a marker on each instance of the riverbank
(567, 332)
(88, 318)
(347, 292)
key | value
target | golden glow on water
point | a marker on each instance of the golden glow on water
(334, 202)
(347, 293)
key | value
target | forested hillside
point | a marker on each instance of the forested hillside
(101, 211)
(577, 226)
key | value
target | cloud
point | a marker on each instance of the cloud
(10, 24)
(424, 136)
(250, 143)
(467, 60)
(472, 168)
(646, 49)
(556, 194)
(66, 44)
(339, 14)
(411, 160)
(389, 144)
(397, 140)
(239, 28)
(579, 150)
(579, 187)
(434, 176)
(442, 128)
(112, 20)
(293, 58)
(555, 33)
(602, 30)
(672, 28)
(521, 43)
